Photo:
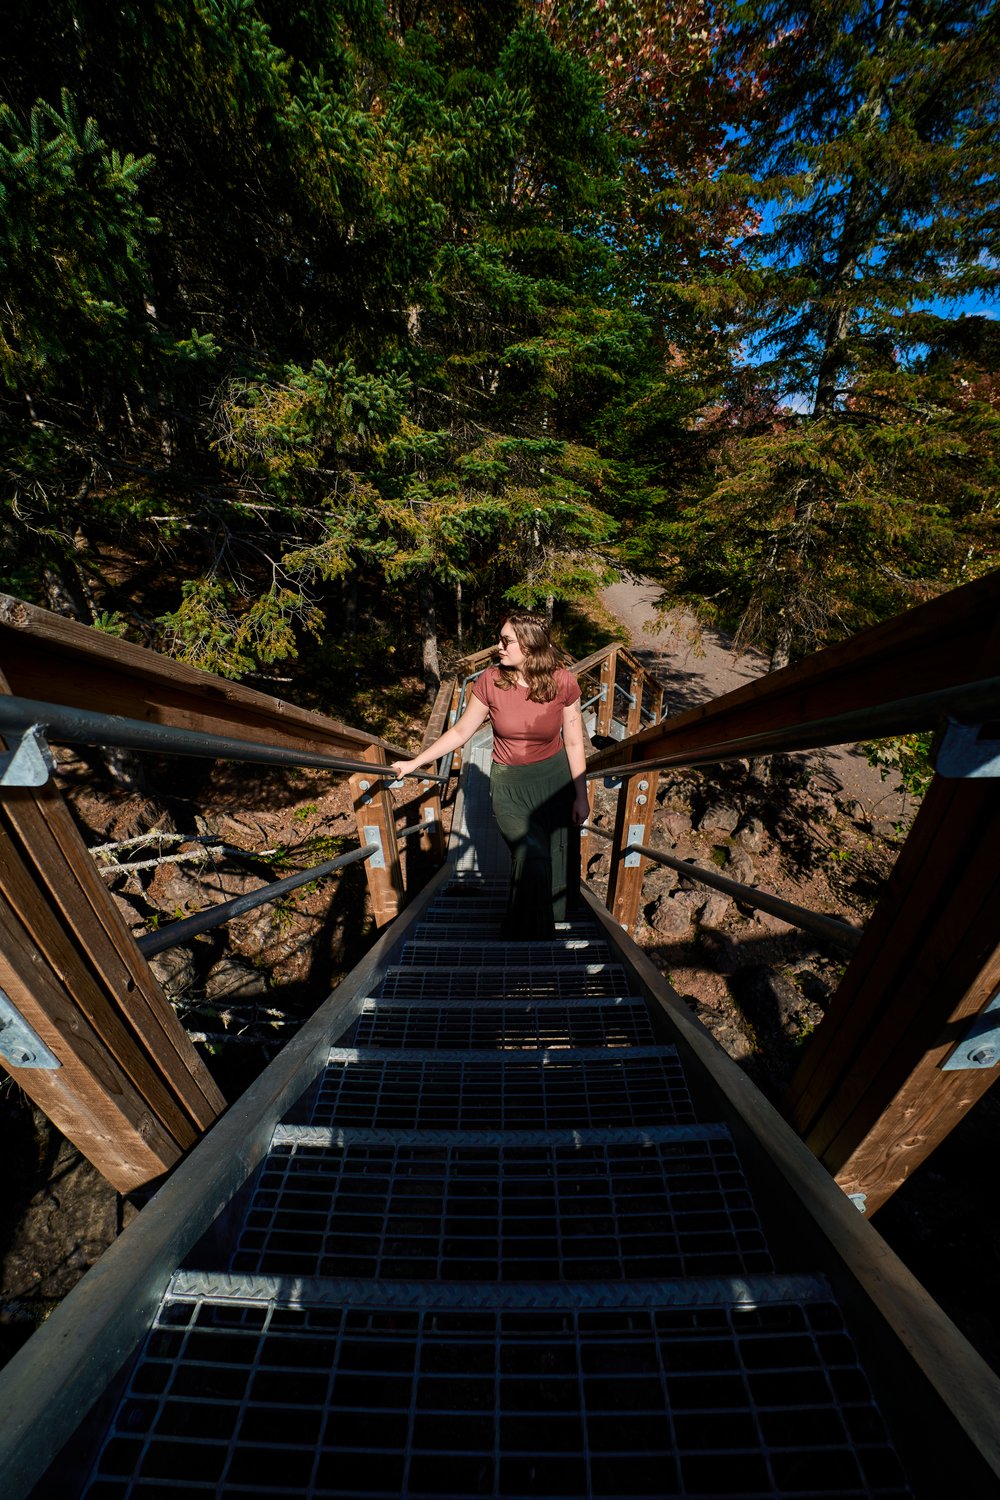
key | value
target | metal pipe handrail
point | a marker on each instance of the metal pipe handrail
(798, 916)
(899, 716)
(411, 829)
(176, 933)
(82, 727)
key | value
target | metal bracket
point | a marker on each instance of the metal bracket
(30, 762)
(980, 1047)
(373, 835)
(860, 1201)
(636, 832)
(21, 1046)
(962, 754)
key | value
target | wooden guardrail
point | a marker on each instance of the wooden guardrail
(129, 1089)
(870, 1097)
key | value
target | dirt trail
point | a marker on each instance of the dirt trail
(697, 663)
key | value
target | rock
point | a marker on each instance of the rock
(230, 979)
(670, 917)
(676, 825)
(769, 1000)
(751, 835)
(661, 878)
(715, 909)
(741, 867)
(720, 816)
(770, 923)
(174, 970)
(179, 894)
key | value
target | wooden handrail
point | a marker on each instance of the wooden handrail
(46, 656)
(869, 1095)
(932, 647)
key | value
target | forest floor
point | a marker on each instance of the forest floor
(823, 833)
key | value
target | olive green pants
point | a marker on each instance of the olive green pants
(533, 806)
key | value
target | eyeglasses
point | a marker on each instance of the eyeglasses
(508, 640)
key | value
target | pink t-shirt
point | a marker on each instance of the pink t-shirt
(524, 732)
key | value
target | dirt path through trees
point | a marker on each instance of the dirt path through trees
(696, 663)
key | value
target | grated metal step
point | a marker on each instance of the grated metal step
(615, 1022)
(355, 1390)
(511, 1090)
(428, 953)
(677, 1206)
(522, 981)
(486, 928)
(493, 1252)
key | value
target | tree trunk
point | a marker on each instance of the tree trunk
(428, 633)
(350, 607)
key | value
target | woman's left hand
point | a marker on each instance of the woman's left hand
(581, 809)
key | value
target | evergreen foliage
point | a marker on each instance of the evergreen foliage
(311, 305)
(871, 151)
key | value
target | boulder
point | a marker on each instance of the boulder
(721, 817)
(230, 979)
(676, 825)
(770, 923)
(741, 867)
(751, 835)
(769, 1000)
(715, 909)
(669, 916)
(174, 970)
(661, 878)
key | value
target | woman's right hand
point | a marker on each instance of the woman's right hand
(404, 767)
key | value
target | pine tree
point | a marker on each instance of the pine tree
(873, 154)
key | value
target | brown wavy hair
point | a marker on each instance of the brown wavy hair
(540, 659)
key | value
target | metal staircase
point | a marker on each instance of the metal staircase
(495, 1249)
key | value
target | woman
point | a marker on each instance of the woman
(537, 785)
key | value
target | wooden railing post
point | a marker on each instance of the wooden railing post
(131, 1092)
(374, 810)
(432, 845)
(452, 719)
(634, 816)
(637, 677)
(870, 1097)
(606, 702)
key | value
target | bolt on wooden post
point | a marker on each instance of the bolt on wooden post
(633, 820)
(376, 820)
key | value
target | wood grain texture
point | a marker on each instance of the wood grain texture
(90, 1097)
(373, 806)
(47, 838)
(606, 702)
(636, 804)
(57, 660)
(869, 1095)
